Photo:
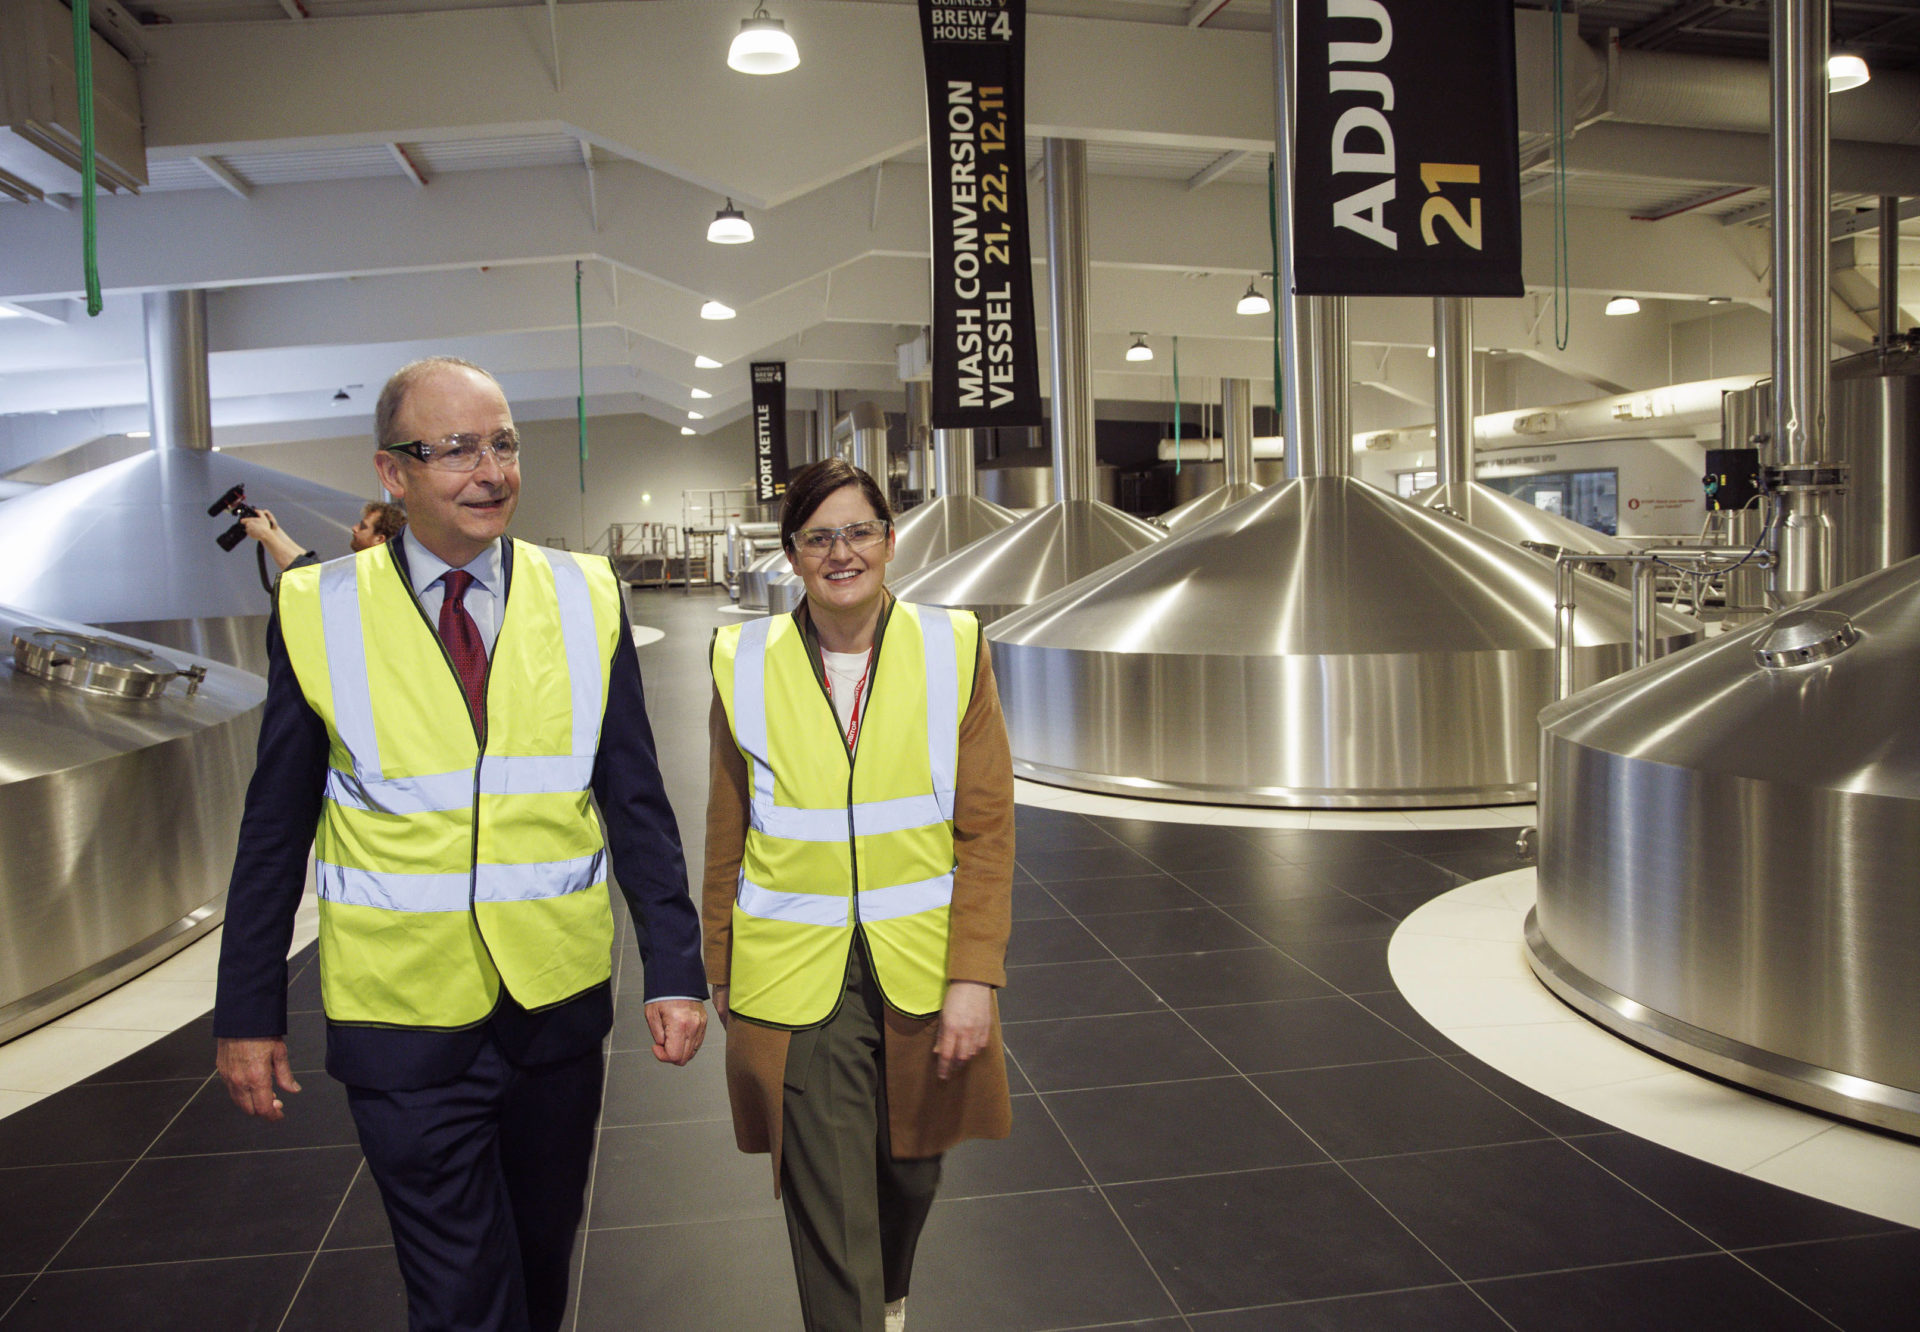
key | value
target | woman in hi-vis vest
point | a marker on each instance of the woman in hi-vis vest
(858, 896)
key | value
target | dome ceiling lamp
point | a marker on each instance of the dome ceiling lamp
(1139, 351)
(1253, 301)
(716, 310)
(730, 227)
(762, 46)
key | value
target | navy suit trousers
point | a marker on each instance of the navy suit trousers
(484, 1179)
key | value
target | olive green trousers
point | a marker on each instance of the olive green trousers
(854, 1214)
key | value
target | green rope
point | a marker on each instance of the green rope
(89, 185)
(1273, 236)
(1177, 431)
(580, 348)
(1562, 265)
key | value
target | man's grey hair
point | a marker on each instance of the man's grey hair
(393, 396)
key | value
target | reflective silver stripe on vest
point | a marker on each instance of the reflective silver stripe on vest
(390, 892)
(530, 883)
(800, 908)
(582, 644)
(905, 899)
(871, 818)
(449, 892)
(943, 705)
(560, 774)
(340, 633)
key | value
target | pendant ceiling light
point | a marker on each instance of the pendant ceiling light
(715, 310)
(705, 363)
(1846, 71)
(729, 227)
(1139, 351)
(701, 393)
(762, 46)
(1254, 301)
(1623, 305)
(695, 416)
(686, 430)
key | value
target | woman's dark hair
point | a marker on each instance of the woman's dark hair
(808, 489)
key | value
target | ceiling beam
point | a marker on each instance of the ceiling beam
(1215, 169)
(229, 182)
(406, 164)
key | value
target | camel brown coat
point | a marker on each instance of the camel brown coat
(925, 1115)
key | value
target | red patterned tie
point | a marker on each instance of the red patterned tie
(462, 638)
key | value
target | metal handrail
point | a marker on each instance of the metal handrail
(1700, 561)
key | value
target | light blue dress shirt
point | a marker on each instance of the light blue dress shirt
(483, 599)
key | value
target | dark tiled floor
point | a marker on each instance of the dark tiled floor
(1226, 1120)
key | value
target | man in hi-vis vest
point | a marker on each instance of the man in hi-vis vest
(443, 713)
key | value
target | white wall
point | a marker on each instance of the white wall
(637, 470)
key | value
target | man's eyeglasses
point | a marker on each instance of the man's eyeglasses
(817, 541)
(462, 453)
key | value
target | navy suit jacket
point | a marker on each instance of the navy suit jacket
(269, 874)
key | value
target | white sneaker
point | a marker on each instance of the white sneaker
(897, 1315)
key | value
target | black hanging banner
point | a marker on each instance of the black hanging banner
(769, 430)
(986, 366)
(1406, 151)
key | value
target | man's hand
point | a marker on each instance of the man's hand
(678, 1027)
(251, 1069)
(282, 549)
(965, 1020)
(720, 1009)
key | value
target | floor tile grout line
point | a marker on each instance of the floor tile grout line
(320, 1247)
(1321, 1147)
(114, 1188)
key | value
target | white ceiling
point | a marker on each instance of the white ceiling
(282, 153)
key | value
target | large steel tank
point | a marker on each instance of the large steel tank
(1321, 644)
(118, 810)
(1874, 431)
(130, 547)
(1727, 850)
(755, 577)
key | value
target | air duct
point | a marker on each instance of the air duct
(179, 402)
(40, 109)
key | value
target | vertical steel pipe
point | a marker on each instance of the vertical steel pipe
(1236, 411)
(1889, 272)
(1564, 623)
(1800, 469)
(179, 403)
(1288, 306)
(920, 431)
(1453, 388)
(1646, 612)
(820, 446)
(953, 463)
(1067, 277)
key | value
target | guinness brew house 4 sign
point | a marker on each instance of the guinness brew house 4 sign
(769, 430)
(1406, 151)
(986, 368)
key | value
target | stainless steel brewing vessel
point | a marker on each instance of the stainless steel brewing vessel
(1727, 850)
(118, 815)
(1320, 644)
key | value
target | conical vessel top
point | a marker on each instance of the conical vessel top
(1500, 514)
(1202, 507)
(934, 530)
(1035, 557)
(1321, 644)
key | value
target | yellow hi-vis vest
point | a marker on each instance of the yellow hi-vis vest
(838, 840)
(444, 870)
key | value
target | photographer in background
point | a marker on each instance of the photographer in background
(379, 522)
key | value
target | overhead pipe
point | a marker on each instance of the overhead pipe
(179, 402)
(1453, 388)
(920, 431)
(1799, 471)
(820, 443)
(1067, 283)
(1294, 415)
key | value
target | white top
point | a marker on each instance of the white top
(845, 670)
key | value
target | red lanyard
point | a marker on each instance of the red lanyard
(853, 723)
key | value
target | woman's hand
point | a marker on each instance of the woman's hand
(965, 1020)
(720, 1003)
